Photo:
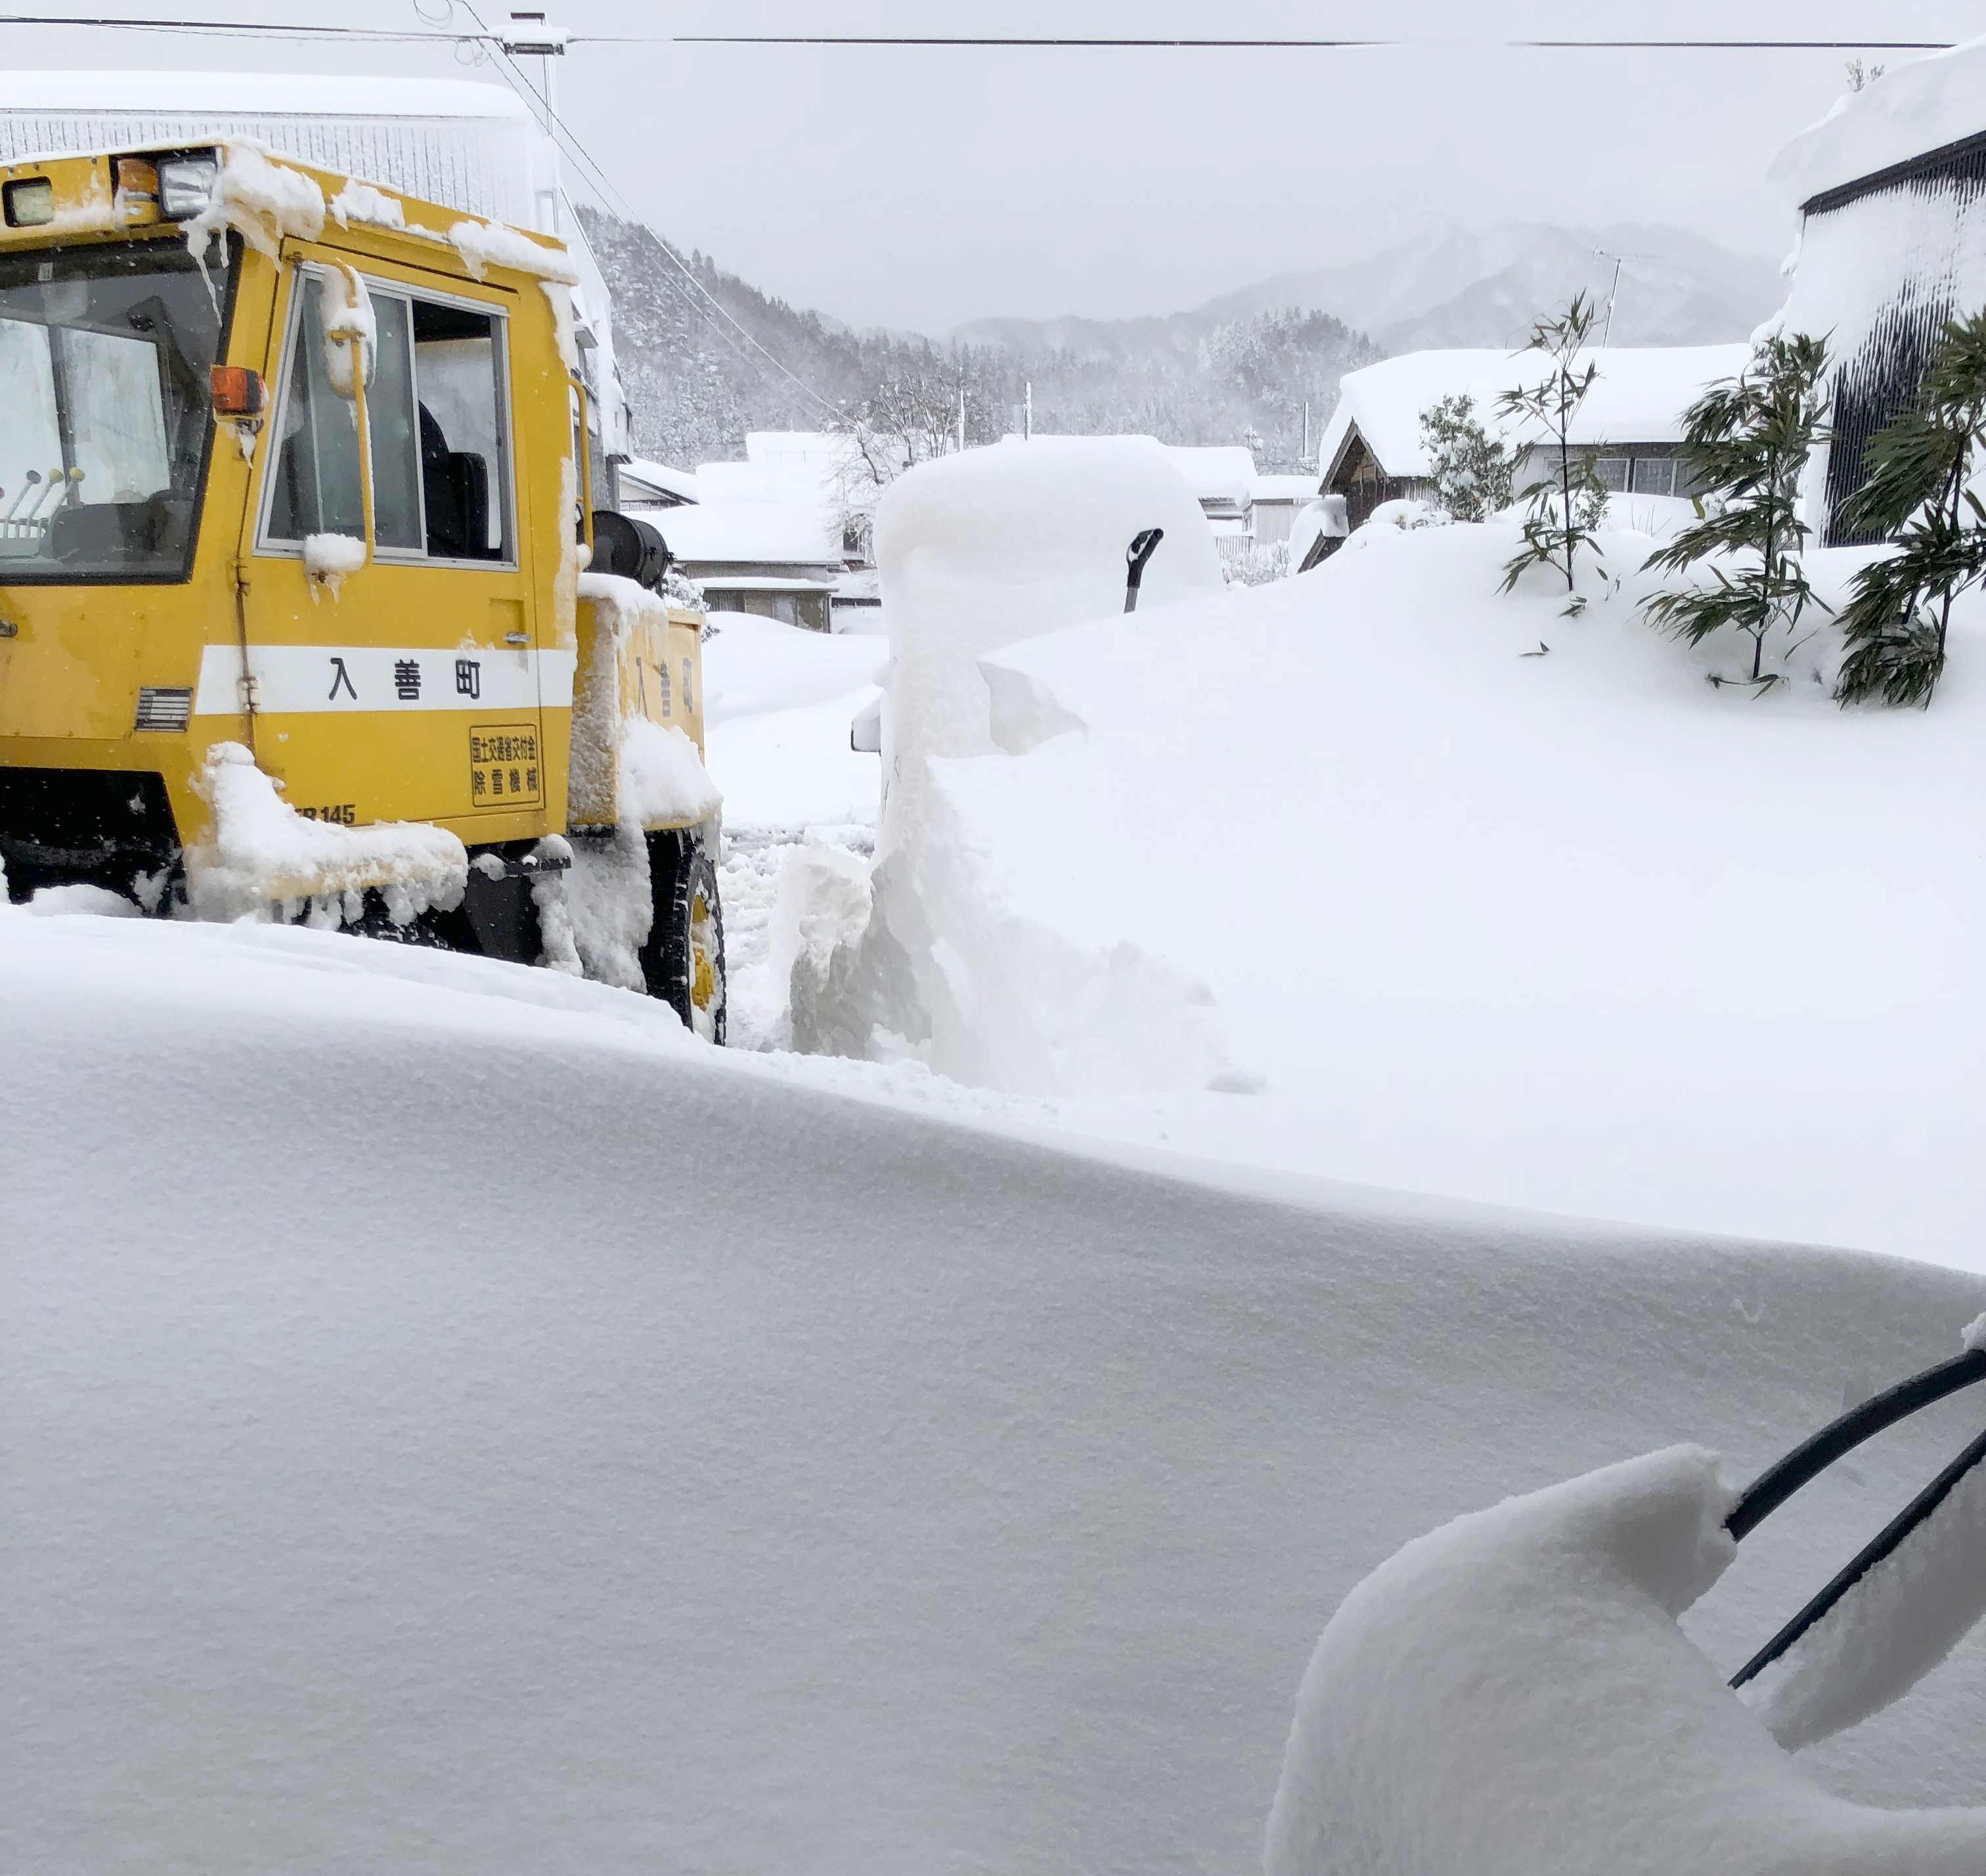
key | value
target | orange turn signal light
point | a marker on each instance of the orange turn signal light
(138, 176)
(237, 392)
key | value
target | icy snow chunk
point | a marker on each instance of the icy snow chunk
(330, 559)
(558, 296)
(1022, 713)
(262, 201)
(821, 907)
(484, 244)
(1510, 1695)
(346, 310)
(608, 907)
(359, 201)
(260, 853)
(1974, 1336)
(662, 777)
(62, 901)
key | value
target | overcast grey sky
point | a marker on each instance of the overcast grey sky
(918, 187)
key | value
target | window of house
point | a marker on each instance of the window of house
(436, 410)
(1612, 473)
(1654, 475)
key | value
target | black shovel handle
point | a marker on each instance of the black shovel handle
(1144, 544)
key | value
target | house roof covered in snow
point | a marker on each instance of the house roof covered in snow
(1283, 488)
(1639, 396)
(1223, 472)
(753, 534)
(642, 480)
(1917, 109)
(258, 94)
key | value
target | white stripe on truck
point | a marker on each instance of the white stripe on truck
(298, 680)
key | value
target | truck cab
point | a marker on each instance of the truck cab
(292, 475)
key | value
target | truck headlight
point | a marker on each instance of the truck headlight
(31, 203)
(186, 184)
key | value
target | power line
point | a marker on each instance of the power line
(1238, 45)
(227, 28)
(611, 194)
(266, 28)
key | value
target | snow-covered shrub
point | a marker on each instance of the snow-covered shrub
(1256, 563)
(1919, 492)
(1747, 439)
(1567, 504)
(1469, 471)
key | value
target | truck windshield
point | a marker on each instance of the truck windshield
(104, 424)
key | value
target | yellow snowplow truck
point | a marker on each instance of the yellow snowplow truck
(303, 613)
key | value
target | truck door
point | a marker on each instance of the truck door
(407, 689)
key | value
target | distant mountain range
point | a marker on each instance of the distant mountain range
(1259, 364)
(1455, 288)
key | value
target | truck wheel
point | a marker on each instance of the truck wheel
(683, 961)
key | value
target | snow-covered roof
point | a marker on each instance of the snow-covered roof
(762, 583)
(639, 476)
(1639, 396)
(1224, 471)
(260, 94)
(793, 445)
(1908, 112)
(1283, 488)
(799, 533)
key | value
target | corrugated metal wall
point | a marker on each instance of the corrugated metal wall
(481, 167)
(1878, 275)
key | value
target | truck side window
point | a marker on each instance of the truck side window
(464, 468)
(434, 406)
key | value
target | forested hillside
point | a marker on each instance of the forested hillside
(698, 383)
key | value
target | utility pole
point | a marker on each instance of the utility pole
(531, 37)
(1305, 456)
(961, 416)
(1028, 414)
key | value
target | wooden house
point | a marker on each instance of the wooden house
(1629, 426)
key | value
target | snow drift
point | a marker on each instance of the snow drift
(1510, 1695)
(454, 1423)
(1517, 907)
(978, 551)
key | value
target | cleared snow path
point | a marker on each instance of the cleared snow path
(454, 1422)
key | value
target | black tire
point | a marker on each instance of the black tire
(683, 961)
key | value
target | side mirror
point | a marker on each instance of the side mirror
(631, 548)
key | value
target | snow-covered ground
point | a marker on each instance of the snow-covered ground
(1507, 905)
(455, 1422)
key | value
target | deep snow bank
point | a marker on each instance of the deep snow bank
(978, 551)
(1510, 1695)
(1520, 907)
(454, 1423)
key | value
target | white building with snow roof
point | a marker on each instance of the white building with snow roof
(1891, 190)
(1630, 423)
